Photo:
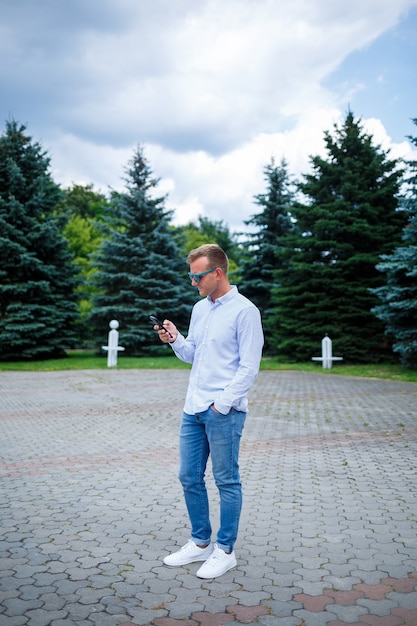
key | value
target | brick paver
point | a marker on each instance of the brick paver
(90, 503)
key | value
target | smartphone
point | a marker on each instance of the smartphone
(155, 321)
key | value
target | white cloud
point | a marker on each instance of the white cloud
(212, 89)
(377, 130)
(219, 187)
(76, 160)
(223, 187)
(208, 77)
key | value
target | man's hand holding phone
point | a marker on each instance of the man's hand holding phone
(167, 331)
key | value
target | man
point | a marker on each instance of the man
(224, 345)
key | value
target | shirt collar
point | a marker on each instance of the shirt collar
(227, 296)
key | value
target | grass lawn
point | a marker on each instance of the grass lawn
(84, 360)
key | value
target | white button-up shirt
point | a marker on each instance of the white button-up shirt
(224, 345)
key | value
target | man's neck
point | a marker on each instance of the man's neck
(223, 290)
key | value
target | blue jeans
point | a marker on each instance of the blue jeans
(201, 435)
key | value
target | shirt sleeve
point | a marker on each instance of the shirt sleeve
(250, 342)
(184, 348)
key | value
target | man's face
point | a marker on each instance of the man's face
(209, 283)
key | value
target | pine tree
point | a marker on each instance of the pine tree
(349, 219)
(398, 297)
(139, 269)
(264, 251)
(37, 279)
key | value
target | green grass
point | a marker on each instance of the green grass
(88, 360)
(85, 360)
(380, 370)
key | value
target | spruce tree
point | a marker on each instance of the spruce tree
(398, 296)
(139, 271)
(37, 279)
(264, 250)
(349, 219)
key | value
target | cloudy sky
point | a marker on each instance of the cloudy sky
(211, 88)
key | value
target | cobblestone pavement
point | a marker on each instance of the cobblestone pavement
(90, 503)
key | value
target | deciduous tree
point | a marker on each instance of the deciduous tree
(81, 211)
(195, 234)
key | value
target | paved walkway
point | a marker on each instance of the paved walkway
(90, 503)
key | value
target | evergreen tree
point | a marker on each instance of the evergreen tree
(264, 251)
(37, 279)
(139, 269)
(398, 297)
(349, 219)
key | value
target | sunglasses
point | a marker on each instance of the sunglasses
(197, 277)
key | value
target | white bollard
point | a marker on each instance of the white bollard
(113, 344)
(326, 353)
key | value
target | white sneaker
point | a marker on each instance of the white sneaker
(189, 553)
(217, 564)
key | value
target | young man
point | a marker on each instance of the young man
(224, 345)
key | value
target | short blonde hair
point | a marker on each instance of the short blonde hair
(216, 256)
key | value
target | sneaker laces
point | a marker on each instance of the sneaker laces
(217, 554)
